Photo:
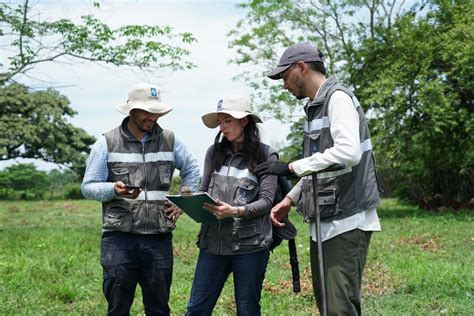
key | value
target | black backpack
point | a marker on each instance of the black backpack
(287, 232)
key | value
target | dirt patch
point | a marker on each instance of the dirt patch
(424, 242)
(13, 209)
(25, 222)
(377, 280)
(70, 208)
(229, 303)
(45, 205)
(285, 286)
(187, 253)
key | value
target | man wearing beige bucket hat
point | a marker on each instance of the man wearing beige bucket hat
(238, 241)
(129, 170)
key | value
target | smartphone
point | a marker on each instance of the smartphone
(132, 188)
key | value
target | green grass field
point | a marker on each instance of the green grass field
(422, 263)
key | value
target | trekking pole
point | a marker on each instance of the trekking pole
(319, 243)
(319, 249)
(295, 271)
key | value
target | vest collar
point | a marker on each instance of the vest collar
(124, 130)
(322, 93)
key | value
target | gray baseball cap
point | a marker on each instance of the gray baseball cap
(293, 54)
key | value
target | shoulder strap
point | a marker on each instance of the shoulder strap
(264, 152)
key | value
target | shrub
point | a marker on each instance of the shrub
(72, 191)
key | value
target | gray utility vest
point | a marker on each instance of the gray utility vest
(236, 185)
(150, 166)
(345, 192)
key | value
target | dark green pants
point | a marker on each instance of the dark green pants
(344, 259)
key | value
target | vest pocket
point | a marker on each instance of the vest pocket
(118, 218)
(306, 203)
(246, 234)
(328, 200)
(164, 174)
(165, 225)
(120, 174)
(246, 192)
(310, 143)
(202, 242)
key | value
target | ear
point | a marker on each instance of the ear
(303, 67)
(245, 121)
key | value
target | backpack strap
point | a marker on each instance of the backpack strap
(295, 270)
(284, 186)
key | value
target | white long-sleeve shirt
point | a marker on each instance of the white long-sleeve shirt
(344, 128)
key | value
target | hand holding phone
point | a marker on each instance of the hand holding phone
(132, 188)
(126, 191)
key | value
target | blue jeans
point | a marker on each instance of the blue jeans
(128, 259)
(213, 270)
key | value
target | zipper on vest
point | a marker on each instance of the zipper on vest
(219, 234)
(146, 191)
(227, 201)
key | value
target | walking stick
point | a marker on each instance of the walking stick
(319, 244)
(319, 249)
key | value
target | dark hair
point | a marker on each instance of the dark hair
(250, 148)
(317, 66)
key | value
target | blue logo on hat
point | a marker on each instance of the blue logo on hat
(153, 92)
(219, 105)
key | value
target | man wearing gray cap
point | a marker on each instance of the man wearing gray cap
(336, 133)
(129, 170)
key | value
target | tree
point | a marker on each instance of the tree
(272, 25)
(421, 95)
(293, 151)
(59, 180)
(31, 41)
(27, 179)
(4, 183)
(33, 124)
(411, 68)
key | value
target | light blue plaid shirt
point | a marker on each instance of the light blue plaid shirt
(94, 185)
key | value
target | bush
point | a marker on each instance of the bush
(175, 184)
(72, 191)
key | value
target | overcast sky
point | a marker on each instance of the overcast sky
(94, 91)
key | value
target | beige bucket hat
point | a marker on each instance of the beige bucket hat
(146, 97)
(236, 106)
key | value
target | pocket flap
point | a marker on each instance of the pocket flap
(247, 184)
(248, 231)
(327, 200)
(313, 136)
(120, 171)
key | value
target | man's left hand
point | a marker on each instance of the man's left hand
(172, 212)
(278, 168)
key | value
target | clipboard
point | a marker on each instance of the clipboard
(192, 205)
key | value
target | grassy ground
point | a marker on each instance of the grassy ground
(422, 263)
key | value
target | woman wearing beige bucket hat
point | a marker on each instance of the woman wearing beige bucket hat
(239, 240)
